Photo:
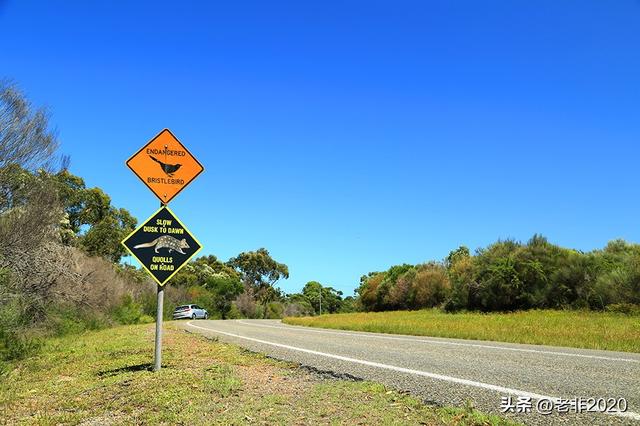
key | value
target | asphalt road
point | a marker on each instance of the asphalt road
(453, 371)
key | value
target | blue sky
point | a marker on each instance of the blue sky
(349, 136)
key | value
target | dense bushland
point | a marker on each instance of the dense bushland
(59, 240)
(510, 275)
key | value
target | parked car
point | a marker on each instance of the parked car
(190, 312)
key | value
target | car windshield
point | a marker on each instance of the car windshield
(182, 308)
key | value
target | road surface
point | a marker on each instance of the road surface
(453, 371)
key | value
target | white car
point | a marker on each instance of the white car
(190, 312)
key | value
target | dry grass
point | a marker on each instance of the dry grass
(580, 329)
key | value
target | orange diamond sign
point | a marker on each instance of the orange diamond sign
(165, 166)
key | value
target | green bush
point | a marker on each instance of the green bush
(128, 312)
(146, 319)
(275, 310)
(234, 312)
(16, 341)
(148, 303)
(65, 319)
(16, 345)
(259, 312)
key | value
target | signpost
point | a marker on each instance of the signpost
(162, 244)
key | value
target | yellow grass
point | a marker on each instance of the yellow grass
(580, 329)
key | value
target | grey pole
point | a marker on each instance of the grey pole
(320, 300)
(157, 355)
(158, 351)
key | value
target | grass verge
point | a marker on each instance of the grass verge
(579, 329)
(103, 377)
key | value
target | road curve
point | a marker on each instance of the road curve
(453, 371)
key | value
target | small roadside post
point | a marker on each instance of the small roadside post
(162, 244)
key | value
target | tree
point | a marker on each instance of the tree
(349, 304)
(25, 137)
(368, 289)
(198, 271)
(462, 275)
(211, 263)
(103, 238)
(457, 255)
(297, 305)
(319, 295)
(430, 286)
(93, 223)
(225, 289)
(31, 260)
(260, 272)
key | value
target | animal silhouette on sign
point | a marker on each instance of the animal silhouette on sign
(166, 241)
(169, 169)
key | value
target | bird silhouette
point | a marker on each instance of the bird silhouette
(169, 169)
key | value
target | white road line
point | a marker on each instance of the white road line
(501, 389)
(439, 342)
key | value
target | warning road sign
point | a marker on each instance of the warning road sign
(165, 166)
(162, 245)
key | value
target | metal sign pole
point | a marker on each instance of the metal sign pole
(158, 351)
(157, 356)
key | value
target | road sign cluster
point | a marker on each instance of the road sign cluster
(162, 244)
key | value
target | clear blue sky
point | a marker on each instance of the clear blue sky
(349, 136)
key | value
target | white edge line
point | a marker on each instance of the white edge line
(501, 389)
(437, 342)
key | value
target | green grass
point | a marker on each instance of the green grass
(579, 329)
(102, 377)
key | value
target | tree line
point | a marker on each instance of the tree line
(510, 275)
(246, 287)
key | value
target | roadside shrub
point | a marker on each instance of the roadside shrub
(148, 302)
(246, 304)
(128, 312)
(350, 304)
(383, 294)
(64, 319)
(275, 310)
(16, 339)
(15, 345)
(462, 278)
(430, 286)
(234, 312)
(401, 294)
(259, 312)
(368, 289)
(298, 309)
(174, 296)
